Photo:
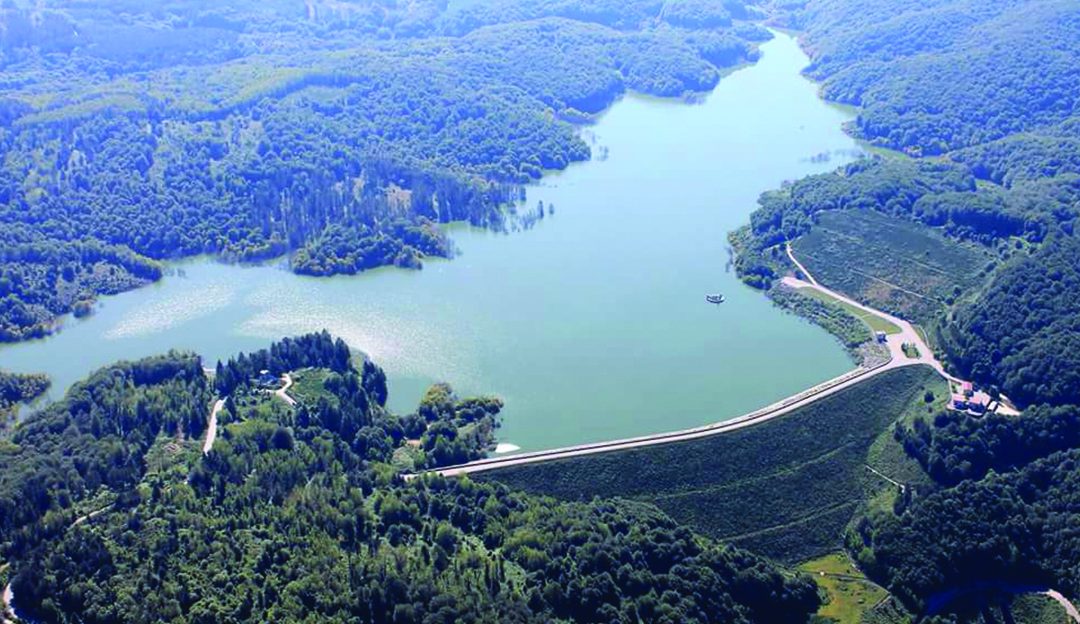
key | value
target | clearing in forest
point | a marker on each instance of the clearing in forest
(889, 263)
(849, 593)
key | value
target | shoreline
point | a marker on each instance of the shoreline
(715, 387)
(898, 359)
(57, 322)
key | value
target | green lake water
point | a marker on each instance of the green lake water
(591, 325)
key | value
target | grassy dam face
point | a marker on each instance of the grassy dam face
(785, 488)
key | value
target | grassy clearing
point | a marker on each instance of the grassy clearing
(171, 455)
(253, 407)
(838, 321)
(849, 593)
(887, 456)
(786, 488)
(1037, 609)
(876, 323)
(308, 386)
(894, 265)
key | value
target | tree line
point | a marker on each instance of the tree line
(299, 513)
(994, 510)
(18, 388)
(339, 137)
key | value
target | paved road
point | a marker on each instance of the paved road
(897, 360)
(775, 410)
(799, 265)
(896, 342)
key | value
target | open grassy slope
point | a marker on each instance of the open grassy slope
(876, 322)
(786, 488)
(890, 263)
(850, 595)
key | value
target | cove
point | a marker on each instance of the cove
(592, 325)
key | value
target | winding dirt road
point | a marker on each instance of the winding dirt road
(7, 612)
(90, 516)
(282, 392)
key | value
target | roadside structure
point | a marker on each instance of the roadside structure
(908, 335)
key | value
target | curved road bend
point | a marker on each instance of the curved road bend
(898, 360)
(211, 427)
(896, 342)
(7, 615)
(282, 392)
(799, 265)
(1065, 603)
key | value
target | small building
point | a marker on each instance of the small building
(881, 337)
(959, 402)
(979, 402)
(266, 380)
(967, 388)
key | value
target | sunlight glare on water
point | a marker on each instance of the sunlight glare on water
(591, 325)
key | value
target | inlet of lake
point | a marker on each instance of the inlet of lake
(592, 325)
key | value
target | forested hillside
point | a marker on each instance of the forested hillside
(1002, 519)
(931, 79)
(17, 388)
(297, 513)
(1008, 321)
(1024, 333)
(337, 133)
(342, 134)
(983, 99)
(935, 76)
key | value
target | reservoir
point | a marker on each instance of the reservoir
(591, 325)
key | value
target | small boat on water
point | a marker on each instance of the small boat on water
(717, 299)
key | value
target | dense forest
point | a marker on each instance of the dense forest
(955, 448)
(982, 99)
(1006, 180)
(931, 77)
(337, 133)
(341, 134)
(96, 437)
(1023, 334)
(16, 389)
(997, 520)
(298, 513)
